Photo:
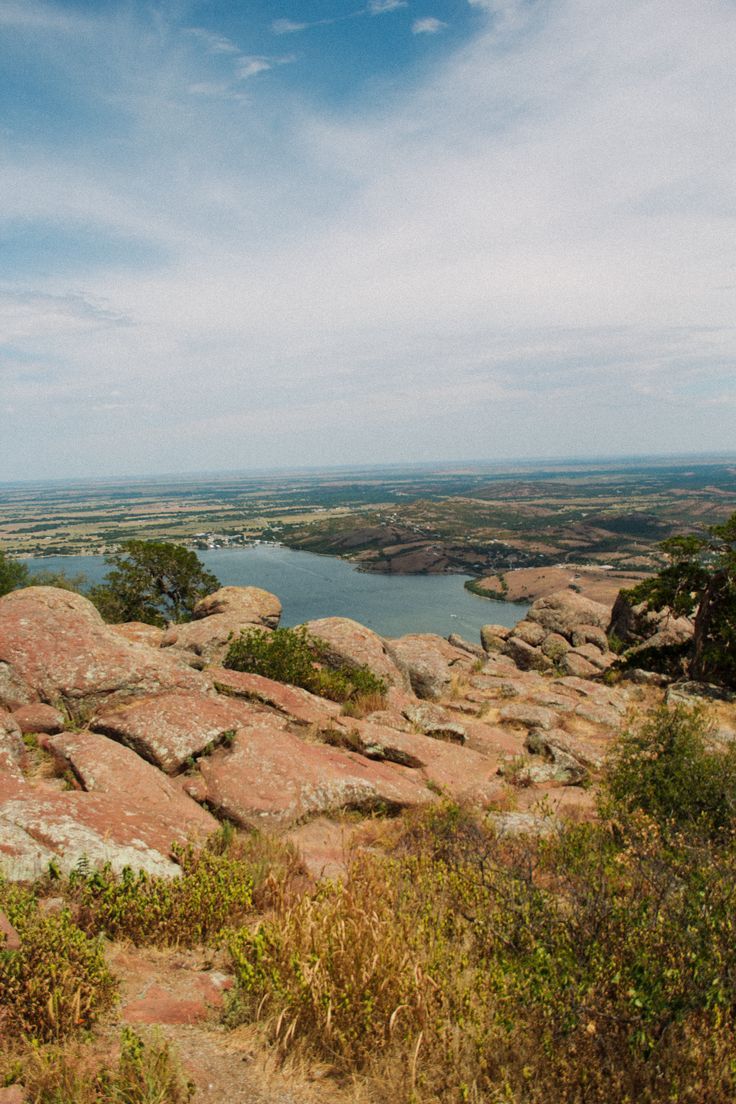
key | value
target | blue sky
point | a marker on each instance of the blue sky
(248, 234)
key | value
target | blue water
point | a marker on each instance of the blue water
(311, 586)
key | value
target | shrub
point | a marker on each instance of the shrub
(146, 1072)
(152, 581)
(215, 890)
(665, 768)
(58, 981)
(12, 574)
(589, 968)
(294, 656)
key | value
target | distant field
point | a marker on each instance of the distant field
(477, 519)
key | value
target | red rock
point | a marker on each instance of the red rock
(430, 662)
(525, 656)
(11, 940)
(172, 728)
(458, 771)
(271, 776)
(103, 766)
(54, 646)
(12, 748)
(13, 1094)
(160, 1007)
(299, 704)
(531, 716)
(218, 619)
(39, 718)
(138, 632)
(564, 611)
(324, 846)
(353, 645)
(530, 632)
(250, 605)
(577, 665)
(39, 827)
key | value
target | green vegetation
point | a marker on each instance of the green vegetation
(58, 982)
(700, 579)
(295, 657)
(12, 574)
(592, 967)
(152, 581)
(146, 1072)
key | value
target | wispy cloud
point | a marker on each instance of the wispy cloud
(290, 26)
(525, 250)
(379, 7)
(429, 25)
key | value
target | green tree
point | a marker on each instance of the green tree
(12, 574)
(700, 579)
(152, 581)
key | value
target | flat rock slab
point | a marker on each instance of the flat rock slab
(271, 776)
(55, 647)
(171, 729)
(220, 618)
(296, 703)
(101, 765)
(39, 827)
(531, 716)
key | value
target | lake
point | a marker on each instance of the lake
(312, 586)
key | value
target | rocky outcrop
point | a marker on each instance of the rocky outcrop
(40, 827)
(271, 777)
(635, 623)
(11, 746)
(100, 765)
(430, 662)
(298, 704)
(219, 618)
(492, 637)
(171, 729)
(39, 719)
(562, 630)
(55, 648)
(349, 644)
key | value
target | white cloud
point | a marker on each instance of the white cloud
(530, 252)
(430, 25)
(288, 26)
(250, 66)
(378, 7)
(215, 43)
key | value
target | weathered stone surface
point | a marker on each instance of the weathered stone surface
(271, 776)
(567, 769)
(353, 645)
(554, 646)
(39, 718)
(597, 714)
(54, 646)
(296, 703)
(594, 656)
(38, 827)
(526, 657)
(172, 728)
(14, 1094)
(531, 716)
(435, 722)
(590, 634)
(11, 746)
(530, 632)
(465, 646)
(458, 771)
(247, 605)
(218, 619)
(493, 636)
(564, 611)
(138, 632)
(102, 766)
(577, 665)
(634, 623)
(431, 663)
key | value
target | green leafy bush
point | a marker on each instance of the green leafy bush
(12, 574)
(57, 982)
(215, 890)
(146, 1072)
(152, 581)
(665, 768)
(296, 657)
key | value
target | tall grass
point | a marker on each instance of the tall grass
(595, 967)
